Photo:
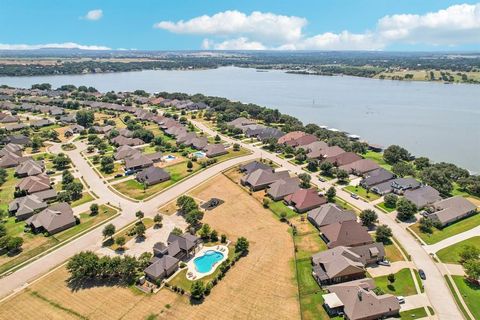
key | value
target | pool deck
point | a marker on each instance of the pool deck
(193, 274)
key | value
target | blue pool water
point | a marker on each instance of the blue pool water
(199, 154)
(205, 263)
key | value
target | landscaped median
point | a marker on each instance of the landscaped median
(447, 232)
(36, 245)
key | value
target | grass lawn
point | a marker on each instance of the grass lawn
(403, 285)
(345, 205)
(277, 207)
(378, 158)
(306, 282)
(134, 189)
(413, 314)
(384, 208)
(470, 293)
(451, 254)
(38, 244)
(181, 281)
(393, 253)
(233, 154)
(312, 307)
(148, 222)
(451, 230)
(362, 192)
(117, 169)
(86, 197)
(7, 189)
(455, 296)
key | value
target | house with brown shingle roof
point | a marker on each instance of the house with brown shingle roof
(290, 136)
(325, 152)
(137, 161)
(342, 158)
(55, 218)
(329, 213)
(360, 167)
(29, 168)
(303, 200)
(347, 233)
(283, 187)
(301, 141)
(215, 150)
(262, 178)
(34, 184)
(125, 152)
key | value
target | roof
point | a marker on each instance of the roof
(152, 175)
(124, 141)
(264, 176)
(302, 141)
(346, 233)
(332, 300)
(305, 198)
(26, 205)
(405, 183)
(283, 187)
(315, 146)
(291, 136)
(212, 150)
(343, 158)
(451, 209)
(125, 152)
(329, 213)
(360, 302)
(325, 152)
(254, 165)
(56, 216)
(337, 262)
(240, 122)
(160, 266)
(34, 184)
(377, 176)
(422, 196)
(360, 167)
(137, 160)
(30, 168)
(185, 242)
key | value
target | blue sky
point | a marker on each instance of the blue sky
(277, 24)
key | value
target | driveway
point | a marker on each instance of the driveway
(378, 271)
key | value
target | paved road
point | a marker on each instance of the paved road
(93, 239)
(436, 289)
(475, 232)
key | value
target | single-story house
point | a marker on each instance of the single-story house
(315, 146)
(325, 152)
(254, 165)
(450, 210)
(400, 185)
(25, 207)
(161, 268)
(375, 177)
(71, 130)
(283, 187)
(40, 123)
(342, 158)
(17, 139)
(33, 184)
(290, 136)
(360, 167)
(347, 233)
(55, 218)
(262, 178)
(329, 213)
(9, 159)
(137, 161)
(336, 265)
(301, 141)
(125, 152)
(215, 150)
(240, 122)
(305, 199)
(356, 300)
(29, 168)
(422, 196)
(152, 175)
(124, 141)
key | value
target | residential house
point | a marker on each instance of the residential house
(327, 152)
(55, 218)
(152, 175)
(303, 200)
(11, 148)
(15, 126)
(198, 143)
(9, 159)
(8, 118)
(342, 158)
(347, 233)
(398, 185)
(290, 136)
(25, 207)
(360, 167)
(17, 139)
(161, 268)
(283, 187)
(329, 213)
(375, 177)
(125, 152)
(254, 165)
(215, 150)
(422, 196)
(356, 300)
(315, 146)
(450, 210)
(73, 129)
(33, 184)
(304, 140)
(29, 168)
(137, 162)
(262, 178)
(124, 141)
(240, 122)
(40, 123)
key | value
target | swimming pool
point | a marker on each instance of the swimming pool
(207, 261)
(199, 154)
(169, 158)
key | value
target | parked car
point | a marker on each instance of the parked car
(354, 196)
(401, 299)
(119, 175)
(129, 172)
(321, 179)
(384, 263)
(422, 275)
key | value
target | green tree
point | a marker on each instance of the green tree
(391, 278)
(405, 209)
(403, 169)
(204, 231)
(93, 209)
(67, 178)
(368, 217)
(157, 219)
(108, 230)
(394, 154)
(469, 252)
(214, 236)
(140, 229)
(472, 269)
(342, 175)
(3, 176)
(139, 214)
(189, 165)
(331, 193)
(437, 179)
(120, 241)
(242, 245)
(426, 225)
(61, 161)
(326, 168)
(85, 118)
(421, 163)
(390, 200)
(177, 231)
(305, 180)
(14, 244)
(223, 238)
(383, 234)
(107, 164)
(197, 290)
(217, 138)
(312, 165)
(75, 190)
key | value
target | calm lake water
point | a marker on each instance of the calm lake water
(431, 119)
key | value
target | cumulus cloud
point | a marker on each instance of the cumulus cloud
(94, 15)
(65, 45)
(256, 26)
(234, 30)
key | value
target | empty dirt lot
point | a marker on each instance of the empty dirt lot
(259, 286)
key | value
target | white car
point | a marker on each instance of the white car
(384, 263)
(401, 299)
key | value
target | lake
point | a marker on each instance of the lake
(429, 119)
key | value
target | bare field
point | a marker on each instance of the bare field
(260, 286)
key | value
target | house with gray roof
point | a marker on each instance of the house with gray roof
(327, 152)
(240, 122)
(29, 168)
(124, 141)
(125, 152)
(137, 161)
(450, 210)
(41, 123)
(55, 218)
(17, 139)
(422, 196)
(360, 167)
(33, 184)
(161, 268)
(152, 175)
(24, 207)
(215, 150)
(346, 233)
(329, 213)
(397, 185)
(356, 300)
(283, 187)
(375, 177)
(254, 165)
(262, 178)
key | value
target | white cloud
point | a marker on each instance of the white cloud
(234, 30)
(256, 26)
(94, 15)
(241, 43)
(65, 45)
